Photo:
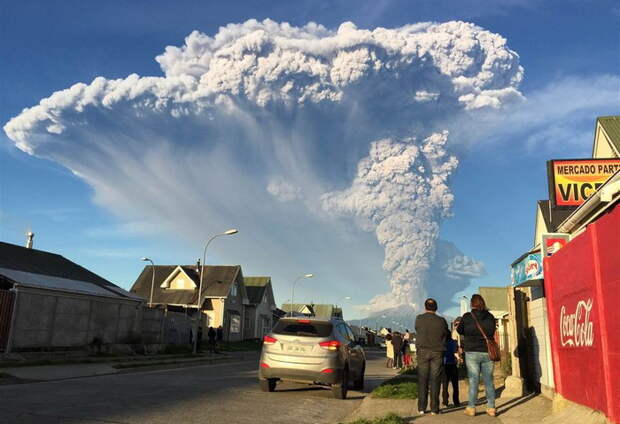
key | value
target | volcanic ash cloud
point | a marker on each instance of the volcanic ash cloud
(401, 192)
(264, 113)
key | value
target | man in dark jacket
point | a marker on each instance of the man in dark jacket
(431, 335)
(212, 334)
(397, 343)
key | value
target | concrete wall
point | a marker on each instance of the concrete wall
(46, 318)
(177, 327)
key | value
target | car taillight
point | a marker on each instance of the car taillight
(269, 340)
(327, 371)
(330, 345)
(303, 321)
(264, 365)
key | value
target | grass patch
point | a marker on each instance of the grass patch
(388, 419)
(241, 346)
(408, 371)
(397, 388)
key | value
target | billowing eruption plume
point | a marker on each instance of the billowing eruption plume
(401, 192)
(271, 115)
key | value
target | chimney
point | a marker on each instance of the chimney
(198, 264)
(29, 239)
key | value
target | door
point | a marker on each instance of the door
(354, 351)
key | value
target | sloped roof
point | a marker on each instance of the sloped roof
(611, 125)
(553, 216)
(39, 268)
(296, 307)
(255, 287)
(216, 283)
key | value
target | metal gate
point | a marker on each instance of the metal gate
(7, 301)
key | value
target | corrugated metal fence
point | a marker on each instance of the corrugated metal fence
(7, 301)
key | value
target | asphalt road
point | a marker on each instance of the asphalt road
(225, 393)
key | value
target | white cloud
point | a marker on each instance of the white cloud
(193, 150)
(464, 266)
(283, 190)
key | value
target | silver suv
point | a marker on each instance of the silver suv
(314, 351)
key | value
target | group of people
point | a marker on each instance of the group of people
(215, 336)
(439, 354)
(398, 347)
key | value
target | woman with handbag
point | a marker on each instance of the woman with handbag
(478, 328)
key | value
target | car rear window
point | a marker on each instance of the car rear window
(296, 328)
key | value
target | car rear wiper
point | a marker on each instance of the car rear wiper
(305, 333)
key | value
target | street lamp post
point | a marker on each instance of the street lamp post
(202, 273)
(293, 288)
(152, 279)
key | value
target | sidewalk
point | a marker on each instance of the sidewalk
(531, 409)
(65, 371)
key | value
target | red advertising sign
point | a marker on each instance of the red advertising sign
(572, 181)
(551, 243)
(582, 283)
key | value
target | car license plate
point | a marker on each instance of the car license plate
(296, 349)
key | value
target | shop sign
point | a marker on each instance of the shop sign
(529, 268)
(576, 329)
(572, 181)
(553, 242)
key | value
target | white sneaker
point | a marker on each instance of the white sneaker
(421, 412)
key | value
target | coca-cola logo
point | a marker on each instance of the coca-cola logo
(576, 329)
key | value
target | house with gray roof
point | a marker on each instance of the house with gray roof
(224, 297)
(56, 303)
(262, 304)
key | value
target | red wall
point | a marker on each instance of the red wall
(582, 285)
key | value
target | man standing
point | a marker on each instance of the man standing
(431, 335)
(212, 334)
(397, 342)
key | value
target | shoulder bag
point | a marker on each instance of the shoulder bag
(492, 347)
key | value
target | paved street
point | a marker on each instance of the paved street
(213, 394)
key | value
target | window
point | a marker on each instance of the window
(296, 328)
(233, 289)
(266, 325)
(235, 324)
(345, 332)
(265, 298)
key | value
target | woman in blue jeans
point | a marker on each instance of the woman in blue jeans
(476, 353)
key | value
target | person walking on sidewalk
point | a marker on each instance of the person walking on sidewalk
(431, 335)
(397, 343)
(389, 351)
(406, 352)
(477, 358)
(211, 334)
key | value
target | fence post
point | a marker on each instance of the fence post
(9, 341)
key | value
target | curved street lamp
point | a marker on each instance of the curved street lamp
(145, 259)
(293, 288)
(202, 273)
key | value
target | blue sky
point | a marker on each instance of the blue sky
(570, 51)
